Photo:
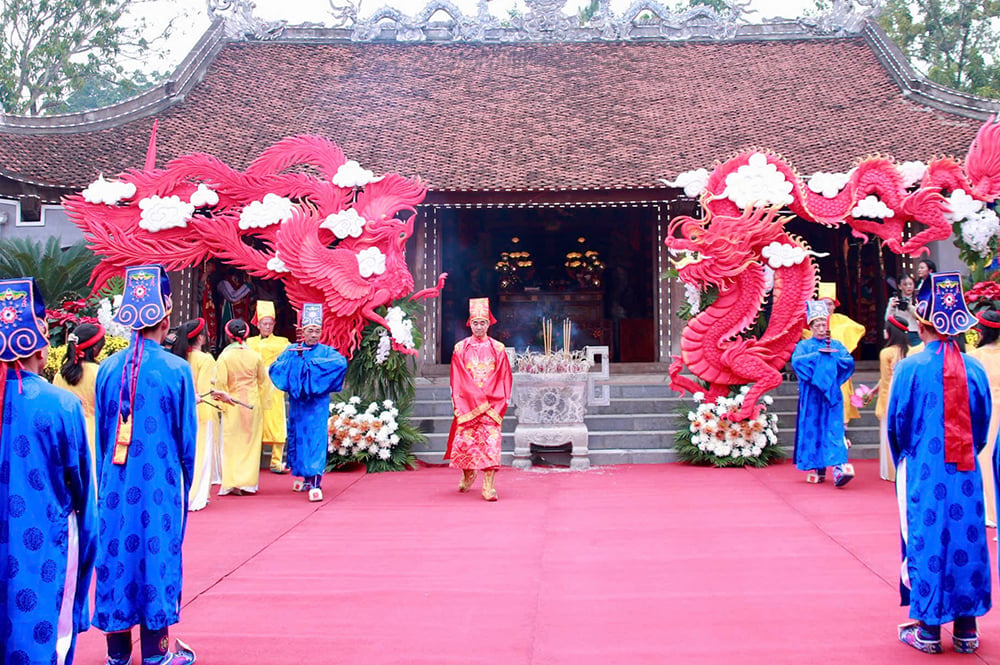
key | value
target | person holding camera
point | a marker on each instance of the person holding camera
(900, 305)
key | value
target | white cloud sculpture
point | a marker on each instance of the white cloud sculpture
(828, 185)
(912, 172)
(344, 224)
(164, 213)
(758, 183)
(273, 209)
(204, 197)
(108, 192)
(873, 208)
(780, 255)
(692, 182)
(962, 206)
(276, 264)
(350, 174)
(371, 261)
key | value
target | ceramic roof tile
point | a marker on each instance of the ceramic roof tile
(525, 116)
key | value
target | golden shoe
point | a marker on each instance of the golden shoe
(468, 477)
(489, 493)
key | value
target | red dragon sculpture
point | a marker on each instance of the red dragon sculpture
(741, 232)
(725, 252)
(301, 213)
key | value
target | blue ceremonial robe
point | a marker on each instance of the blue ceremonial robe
(308, 374)
(946, 559)
(819, 427)
(143, 503)
(48, 532)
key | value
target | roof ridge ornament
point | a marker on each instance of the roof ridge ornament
(545, 20)
(240, 22)
(846, 17)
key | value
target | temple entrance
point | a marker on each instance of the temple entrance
(593, 266)
(860, 270)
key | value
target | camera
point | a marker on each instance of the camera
(903, 304)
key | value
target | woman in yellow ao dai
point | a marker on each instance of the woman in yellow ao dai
(240, 378)
(896, 348)
(988, 353)
(191, 339)
(78, 373)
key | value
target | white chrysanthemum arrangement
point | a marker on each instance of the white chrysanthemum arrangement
(106, 310)
(976, 226)
(357, 434)
(712, 438)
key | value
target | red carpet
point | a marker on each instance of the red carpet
(624, 564)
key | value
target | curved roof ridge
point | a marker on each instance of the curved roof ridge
(193, 68)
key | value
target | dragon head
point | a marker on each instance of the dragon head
(717, 248)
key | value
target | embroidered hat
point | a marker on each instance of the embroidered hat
(479, 308)
(941, 304)
(146, 300)
(312, 314)
(23, 330)
(816, 309)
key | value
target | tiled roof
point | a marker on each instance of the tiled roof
(525, 116)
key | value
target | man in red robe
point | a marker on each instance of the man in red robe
(480, 389)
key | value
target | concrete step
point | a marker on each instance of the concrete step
(862, 438)
(638, 426)
(621, 456)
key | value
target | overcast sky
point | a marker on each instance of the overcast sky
(192, 18)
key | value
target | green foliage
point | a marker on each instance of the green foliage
(99, 91)
(720, 6)
(50, 49)
(61, 274)
(955, 43)
(709, 296)
(393, 380)
(587, 12)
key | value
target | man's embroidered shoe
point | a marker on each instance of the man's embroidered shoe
(913, 635)
(965, 643)
(183, 655)
(315, 494)
(842, 474)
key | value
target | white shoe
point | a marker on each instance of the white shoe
(315, 494)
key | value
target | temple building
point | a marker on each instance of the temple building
(547, 146)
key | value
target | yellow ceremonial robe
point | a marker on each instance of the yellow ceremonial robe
(240, 372)
(848, 332)
(887, 359)
(85, 391)
(209, 425)
(269, 348)
(989, 356)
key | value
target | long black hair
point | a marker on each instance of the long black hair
(898, 336)
(187, 335)
(988, 334)
(83, 344)
(237, 329)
